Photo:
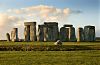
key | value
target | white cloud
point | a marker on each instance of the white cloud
(66, 11)
(16, 17)
(7, 22)
(5, 19)
(41, 11)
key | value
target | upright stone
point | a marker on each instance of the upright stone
(31, 31)
(55, 32)
(52, 28)
(64, 33)
(8, 36)
(80, 37)
(27, 33)
(50, 33)
(92, 34)
(40, 36)
(72, 36)
(45, 30)
(67, 33)
(14, 34)
(89, 33)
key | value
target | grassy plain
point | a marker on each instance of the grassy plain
(48, 43)
(80, 57)
(90, 57)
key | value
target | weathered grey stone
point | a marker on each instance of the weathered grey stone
(72, 36)
(67, 33)
(40, 36)
(14, 34)
(50, 23)
(52, 32)
(80, 37)
(32, 34)
(27, 33)
(89, 33)
(55, 32)
(92, 35)
(33, 31)
(45, 33)
(58, 43)
(48, 31)
(64, 34)
(68, 25)
(8, 36)
(29, 23)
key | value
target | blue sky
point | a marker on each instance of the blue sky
(82, 4)
(85, 12)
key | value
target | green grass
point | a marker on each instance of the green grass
(7, 46)
(90, 57)
(48, 43)
(80, 57)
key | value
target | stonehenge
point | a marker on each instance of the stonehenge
(49, 31)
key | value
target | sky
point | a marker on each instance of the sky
(13, 13)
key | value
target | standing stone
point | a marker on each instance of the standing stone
(80, 37)
(89, 33)
(40, 36)
(45, 30)
(14, 34)
(72, 36)
(52, 31)
(55, 32)
(64, 33)
(67, 33)
(31, 31)
(8, 36)
(92, 34)
(27, 33)
(86, 33)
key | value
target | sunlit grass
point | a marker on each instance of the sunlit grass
(83, 57)
(50, 57)
(48, 43)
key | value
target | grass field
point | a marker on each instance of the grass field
(80, 57)
(89, 57)
(48, 46)
(48, 43)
